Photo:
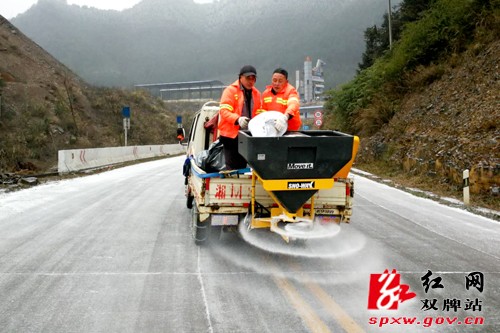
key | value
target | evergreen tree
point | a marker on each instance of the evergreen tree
(377, 38)
(375, 46)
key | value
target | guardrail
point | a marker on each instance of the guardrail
(81, 159)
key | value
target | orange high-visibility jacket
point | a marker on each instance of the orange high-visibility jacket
(287, 101)
(231, 106)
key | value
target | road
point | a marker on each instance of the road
(112, 252)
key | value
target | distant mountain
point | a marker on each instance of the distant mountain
(179, 40)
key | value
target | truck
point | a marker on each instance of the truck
(292, 184)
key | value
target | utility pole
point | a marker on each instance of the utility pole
(390, 26)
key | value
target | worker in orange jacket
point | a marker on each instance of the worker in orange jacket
(240, 102)
(283, 97)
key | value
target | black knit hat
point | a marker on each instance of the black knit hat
(281, 71)
(248, 70)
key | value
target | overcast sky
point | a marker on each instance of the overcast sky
(11, 8)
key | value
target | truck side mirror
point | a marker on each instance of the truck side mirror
(181, 136)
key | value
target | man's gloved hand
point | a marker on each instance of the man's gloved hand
(281, 123)
(243, 122)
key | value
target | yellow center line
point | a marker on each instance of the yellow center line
(306, 312)
(347, 323)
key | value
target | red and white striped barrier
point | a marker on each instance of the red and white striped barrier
(81, 159)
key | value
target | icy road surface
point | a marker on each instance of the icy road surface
(113, 252)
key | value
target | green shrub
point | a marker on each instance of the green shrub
(444, 29)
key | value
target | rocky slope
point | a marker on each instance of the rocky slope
(450, 125)
(45, 107)
(34, 83)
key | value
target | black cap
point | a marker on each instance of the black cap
(248, 70)
(281, 71)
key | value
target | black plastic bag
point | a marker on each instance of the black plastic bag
(212, 159)
(215, 161)
(199, 158)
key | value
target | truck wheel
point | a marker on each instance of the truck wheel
(200, 230)
(189, 201)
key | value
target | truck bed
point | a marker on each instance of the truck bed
(222, 194)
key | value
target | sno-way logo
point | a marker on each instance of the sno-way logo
(300, 185)
(299, 166)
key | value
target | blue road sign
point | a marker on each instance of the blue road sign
(126, 111)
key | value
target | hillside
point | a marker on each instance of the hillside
(429, 108)
(45, 107)
(445, 127)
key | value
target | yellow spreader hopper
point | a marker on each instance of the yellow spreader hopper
(292, 169)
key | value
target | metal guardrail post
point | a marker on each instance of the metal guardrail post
(466, 183)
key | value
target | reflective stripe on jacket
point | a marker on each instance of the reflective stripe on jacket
(231, 106)
(287, 102)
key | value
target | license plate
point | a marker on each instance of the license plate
(322, 219)
(326, 211)
(220, 219)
